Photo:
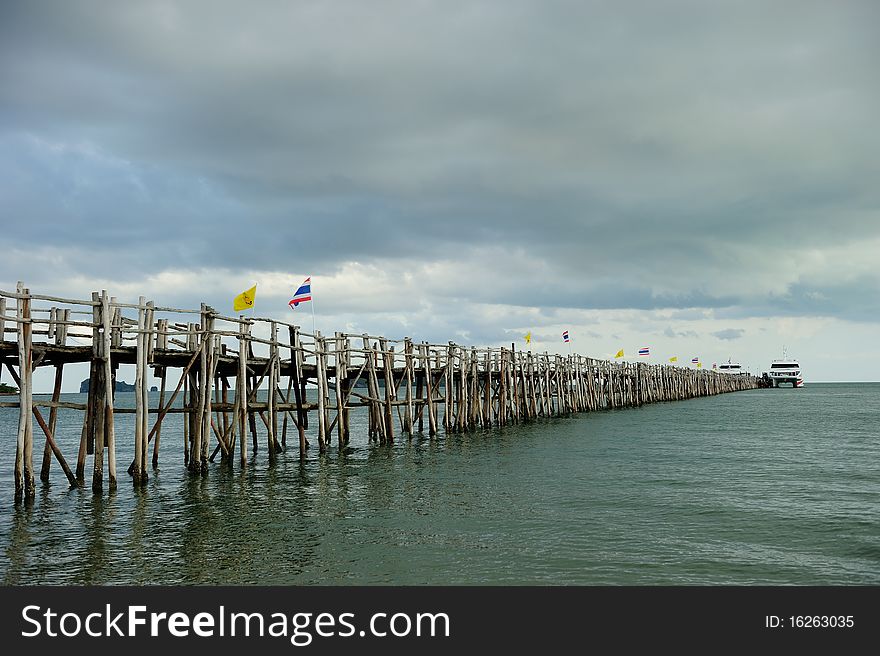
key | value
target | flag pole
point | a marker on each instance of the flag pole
(312, 301)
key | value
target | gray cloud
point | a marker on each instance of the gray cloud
(559, 155)
(729, 334)
(672, 334)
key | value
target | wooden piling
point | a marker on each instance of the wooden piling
(272, 399)
(296, 370)
(390, 393)
(241, 390)
(109, 431)
(341, 375)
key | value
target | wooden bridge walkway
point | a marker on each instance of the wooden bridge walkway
(223, 362)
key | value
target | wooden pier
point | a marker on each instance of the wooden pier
(236, 372)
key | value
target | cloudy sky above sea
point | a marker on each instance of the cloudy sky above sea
(698, 177)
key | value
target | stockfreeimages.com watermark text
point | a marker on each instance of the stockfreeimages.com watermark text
(300, 628)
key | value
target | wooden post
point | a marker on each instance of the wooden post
(346, 388)
(390, 394)
(241, 390)
(24, 469)
(487, 391)
(408, 417)
(100, 394)
(475, 403)
(461, 415)
(429, 389)
(448, 389)
(321, 374)
(372, 386)
(296, 364)
(199, 385)
(287, 400)
(207, 379)
(420, 377)
(109, 432)
(139, 435)
(341, 375)
(272, 396)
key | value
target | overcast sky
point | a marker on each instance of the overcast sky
(698, 177)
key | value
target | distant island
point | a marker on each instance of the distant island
(7, 389)
(121, 386)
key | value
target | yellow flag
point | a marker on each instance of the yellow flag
(674, 358)
(245, 300)
(528, 337)
(619, 354)
(699, 365)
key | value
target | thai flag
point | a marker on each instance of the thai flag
(565, 337)
(644, 351)
(696, 360)
(303, 294)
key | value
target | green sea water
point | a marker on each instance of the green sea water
(770, 487)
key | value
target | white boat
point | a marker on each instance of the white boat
(730, 368)
(785, 371)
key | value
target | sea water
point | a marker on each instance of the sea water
(770, 487)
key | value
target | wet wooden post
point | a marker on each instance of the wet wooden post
(346, 388)
(546, 391)
(148, 357)
(25, 486)
(100, 395)
(196, 399)
(516, 385)
(388, 370)
(462, 396)
(187, 415)
(372, 387)
(109, 430)
(320, 377)
(341, 376)
(228, 418)
(420, 384)
(241, 390)
(408, 373)
(475, 400)
(286, 414)
(325, 364)
(272, 401)
(140, 410)
(490, 370)
(447, 389)
(425, 350)
(533, 383)
(210, 354)
(296, 364)
(84, 435)
(501, 420)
